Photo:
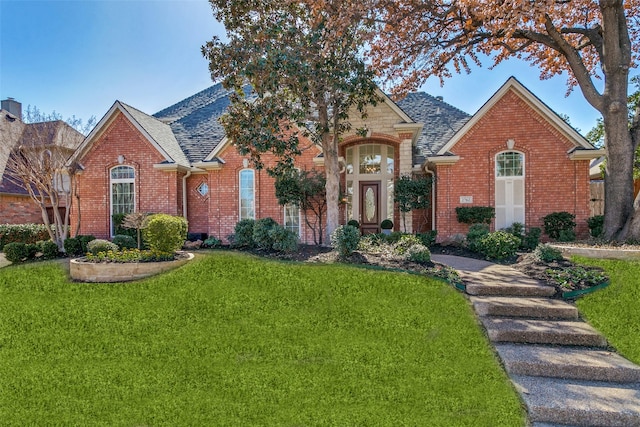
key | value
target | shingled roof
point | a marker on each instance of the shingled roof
(194, 121)
(441, 121)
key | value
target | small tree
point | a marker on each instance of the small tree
(411, 193)
(135, 221)
(305, 189)
(38, 163)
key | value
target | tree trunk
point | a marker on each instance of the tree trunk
(332, 171)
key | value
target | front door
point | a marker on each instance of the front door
(369, 207)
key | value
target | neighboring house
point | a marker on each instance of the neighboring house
(514, 154)
(16, 207)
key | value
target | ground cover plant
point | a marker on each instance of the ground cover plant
(231, 339)
(614, 310)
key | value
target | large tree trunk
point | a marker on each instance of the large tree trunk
(332, 171)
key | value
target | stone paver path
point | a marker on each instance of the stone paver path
(3, 261)
(561, 366)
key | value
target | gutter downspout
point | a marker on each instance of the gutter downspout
(184, 193)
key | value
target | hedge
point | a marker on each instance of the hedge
(22, 233)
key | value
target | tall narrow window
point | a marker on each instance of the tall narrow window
(292, 218)
(247, 194)
(122, 191)
(509, 195)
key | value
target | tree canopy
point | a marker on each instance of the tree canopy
(303, 79)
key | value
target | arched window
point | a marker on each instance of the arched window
(122, 185)
(509, 196)
(247, 194)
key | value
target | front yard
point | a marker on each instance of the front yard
(231, 339)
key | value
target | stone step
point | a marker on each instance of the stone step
(568, 363)
(579, 403)
(513, 330)
(514, 288)
(541, 308)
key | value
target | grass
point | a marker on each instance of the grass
(231, 340)
(614, 310)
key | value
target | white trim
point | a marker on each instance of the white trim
(284, 219)
(120, 181)
(443, 160)
(579, 154)
(172, 167)
(525, 94)
(253, 172)
(512, 178)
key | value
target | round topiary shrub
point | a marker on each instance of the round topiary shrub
(16, 252)
(72, 246)
(49, 249)
(345, 239)
(499, 245)
(99, 245)
(165, 233)
(353, 223)
(124, 241)
(261, 229)
(243, 234)
(386, 224)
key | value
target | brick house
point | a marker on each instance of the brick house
(514, 153)
(16, 207)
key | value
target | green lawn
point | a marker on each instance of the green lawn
(234, 340)
(615, 310)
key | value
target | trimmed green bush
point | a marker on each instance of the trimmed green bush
(498, 245)
(475, 234)
(212, 242)
(49, 249)
(124, 242)
(165, 233)
(546, 253)
(531, 239)
(84, 240)
(72, 246)
(243, 234)
(345, 239)
(556, 222)
(596, 225)
(24, 233)
(567, 236)
(353, 223)
(387, 224)
(428, 239)
(475, 214)
(418, 253)
(283, 240)
(16, 252)
(96, 246)
(261, 236)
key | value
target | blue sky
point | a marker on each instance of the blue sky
(78, 57)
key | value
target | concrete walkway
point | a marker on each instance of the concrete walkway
(3, 261)
(562, 368)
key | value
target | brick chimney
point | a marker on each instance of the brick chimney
(13, 107)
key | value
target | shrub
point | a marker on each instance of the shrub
(387, 224)
(99, 245)
(165, 233)
(531, 239)
(84, 241)
(418, 253)
(405, 242)
(567, 236)
(283, 240)
(353, 223)
(72, 246)
(49, 249)
(394, 237)
(16, 252)
(547, 253)
(517, 229)
(24, 233)
(596, 225)
(429, 238)
(261, 229)
(124, 242)
(345, 239)
(32, 250)
(499, 245)
(475, 234)
(371, 242)
(212, 242)
(556, 222)
(119, 226)
(475, 214)
(243, 234)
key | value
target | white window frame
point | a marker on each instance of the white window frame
(289, 226)
(120, 181)
(521, 177)
(253, 196)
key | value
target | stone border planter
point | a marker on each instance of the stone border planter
(113, 272)
(604, 253)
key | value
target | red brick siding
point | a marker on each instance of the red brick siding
(19, 210)
(156, 191)
(553, 182)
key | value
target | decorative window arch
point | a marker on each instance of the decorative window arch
(509, 188)
(247, 194)
(123, 194)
